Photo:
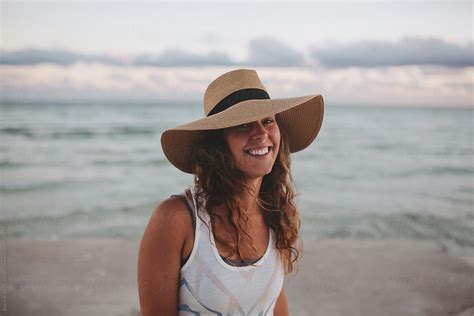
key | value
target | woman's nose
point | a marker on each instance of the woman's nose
(258, 131)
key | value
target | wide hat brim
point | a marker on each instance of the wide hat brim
(300, 117)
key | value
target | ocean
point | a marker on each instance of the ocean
(96, 169)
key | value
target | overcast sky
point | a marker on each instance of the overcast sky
(404, 53)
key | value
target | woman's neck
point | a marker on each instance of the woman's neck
(249, 198)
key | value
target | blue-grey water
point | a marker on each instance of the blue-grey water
(76, 169)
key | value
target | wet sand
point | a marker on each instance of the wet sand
(336, 277)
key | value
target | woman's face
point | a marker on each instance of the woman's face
(254, 146)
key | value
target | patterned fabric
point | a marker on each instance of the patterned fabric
(210, 286)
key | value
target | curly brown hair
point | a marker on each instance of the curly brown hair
(219, 182)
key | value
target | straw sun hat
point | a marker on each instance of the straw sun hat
(239, 97)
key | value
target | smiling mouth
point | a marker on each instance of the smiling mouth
(258, 152)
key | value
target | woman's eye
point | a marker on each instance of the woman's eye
(268, 121)
(242, 126)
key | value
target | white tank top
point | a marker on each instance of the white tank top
(210, 286)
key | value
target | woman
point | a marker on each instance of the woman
(224, 246)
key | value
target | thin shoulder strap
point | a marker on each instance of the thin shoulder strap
(190, 207)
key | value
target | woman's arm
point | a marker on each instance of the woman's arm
(281, 306)
(159, 258)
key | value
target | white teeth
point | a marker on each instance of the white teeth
(258, 152)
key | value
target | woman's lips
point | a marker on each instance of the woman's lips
(264, 156)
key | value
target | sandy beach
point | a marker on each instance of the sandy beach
(336, 277)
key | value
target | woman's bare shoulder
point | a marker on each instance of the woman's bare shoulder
(171, 214)
(166, 233)
(159, 257)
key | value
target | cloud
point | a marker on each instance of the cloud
(176, 57)
(400, 85)
(407, 51)
(269, 52)
(264, 51)
(59, 57)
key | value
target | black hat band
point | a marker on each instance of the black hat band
(239, 96)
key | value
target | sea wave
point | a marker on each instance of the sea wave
(456, 230)
(78, 133)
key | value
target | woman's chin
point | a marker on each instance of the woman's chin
(255, 174)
